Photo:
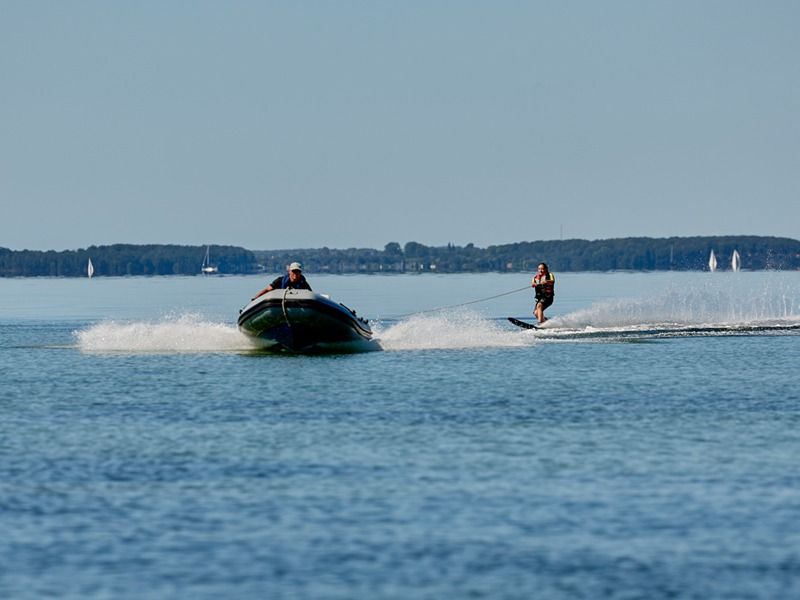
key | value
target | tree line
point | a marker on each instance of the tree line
(123, 259)
(631, 254)
(621, 254)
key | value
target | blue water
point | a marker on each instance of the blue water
(147, 452)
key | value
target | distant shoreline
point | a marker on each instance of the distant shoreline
(620, 254)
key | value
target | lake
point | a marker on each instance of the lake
(643, 445)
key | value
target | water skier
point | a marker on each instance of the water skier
(544, 283)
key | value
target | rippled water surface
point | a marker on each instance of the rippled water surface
(644, 445)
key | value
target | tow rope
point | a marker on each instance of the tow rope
(439, 308)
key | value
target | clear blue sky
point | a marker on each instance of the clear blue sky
(340, 123)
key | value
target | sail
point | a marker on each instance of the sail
(712, 262)
(90, 269)
(736, 261)
(207, 266)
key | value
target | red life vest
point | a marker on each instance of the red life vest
(545, 285)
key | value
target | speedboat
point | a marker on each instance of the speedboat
(304, 321)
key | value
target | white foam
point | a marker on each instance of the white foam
(713, 304)
(184, 333)
(449, 330)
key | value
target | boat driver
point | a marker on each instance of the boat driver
(294, 280)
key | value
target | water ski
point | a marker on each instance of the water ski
(522, 324)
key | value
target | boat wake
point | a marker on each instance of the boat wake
(458, 329)
(666, 330)
(184, 333)
(189, 333)
(680, 314)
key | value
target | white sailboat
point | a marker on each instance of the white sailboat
(712, 262)
(208, 268)
(736, 261)
(90, 269)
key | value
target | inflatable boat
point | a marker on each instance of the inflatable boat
(304, 321)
